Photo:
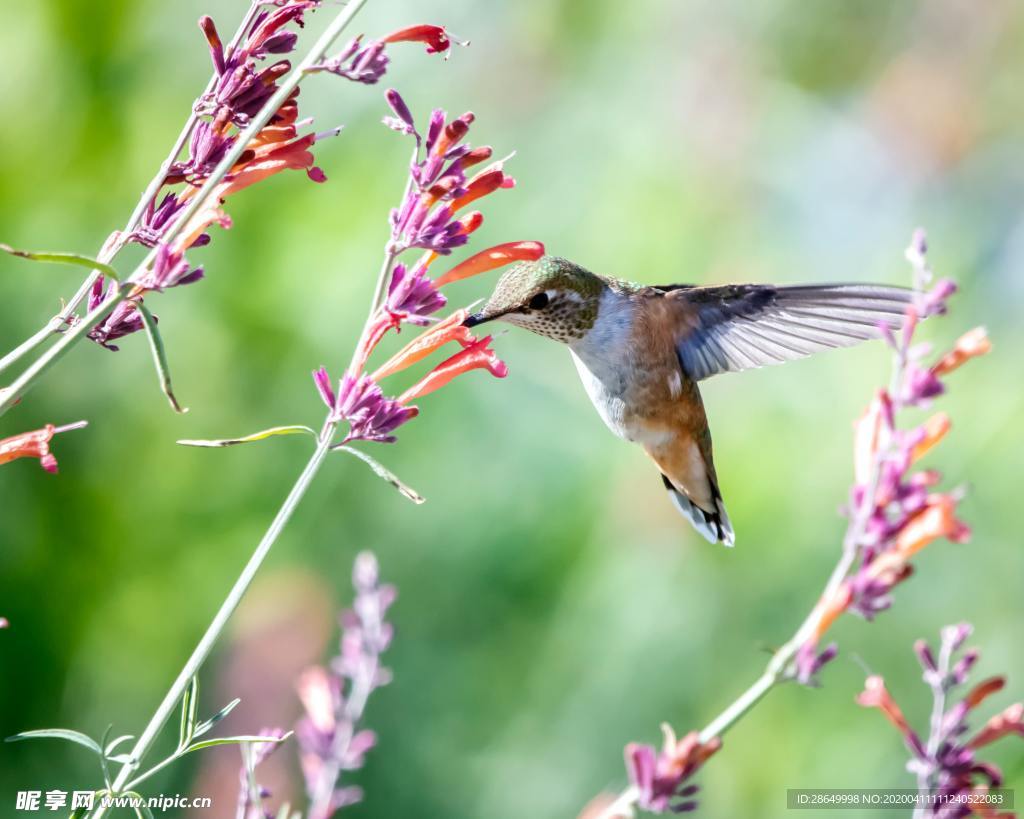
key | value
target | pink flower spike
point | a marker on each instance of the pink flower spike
(491, 258)
(478, 355)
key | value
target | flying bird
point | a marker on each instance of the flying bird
(641, 351)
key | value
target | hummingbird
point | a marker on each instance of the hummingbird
(641, 350)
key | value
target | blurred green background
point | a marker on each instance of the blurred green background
(552, 604)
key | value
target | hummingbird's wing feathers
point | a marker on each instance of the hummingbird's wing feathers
(738, 327)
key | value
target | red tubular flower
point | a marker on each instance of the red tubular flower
(935, 429)
(968, 346)
(1010, 721)
(276, 148)
(983, 690)
(35, 444)
(435, 38)
(477, 355)
(451, 329)
(937, 519)
(483, 184)
(876, 695)
(491, 258)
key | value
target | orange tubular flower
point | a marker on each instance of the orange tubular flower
(451, 329)
(435, 38)
(35, 444)
(968, 346)
(983, 690)
(476, 356)
(481, 185)
(491, 258)
(1010, 721)
(876, 695)
(867, 437)
(937, 519)
(935, 429)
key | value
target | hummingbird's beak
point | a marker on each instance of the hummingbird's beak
(475, 318)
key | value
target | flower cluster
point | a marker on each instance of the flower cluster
(660, 778)
(896, 510)
(35, 444)
(243, 83)
(436, 189)
(438, 185)
(945, 762)
(334, 698)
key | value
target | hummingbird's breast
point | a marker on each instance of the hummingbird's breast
(626, 379)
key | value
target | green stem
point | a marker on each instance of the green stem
(227, 608)
(27, 379)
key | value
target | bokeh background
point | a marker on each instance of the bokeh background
(552, 604)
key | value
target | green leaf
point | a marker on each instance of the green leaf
(114, 743)
(189, 706)
(103, 757)
(63, 258)
(203, 727)
(211, 743)
(256, 436)
(156, 344)
(59, 733)
(385, 473)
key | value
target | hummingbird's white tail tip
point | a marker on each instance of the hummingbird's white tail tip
(714, 527)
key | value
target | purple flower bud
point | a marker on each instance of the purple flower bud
(924, 655)
(964, 666)
(808, 662)
(402, 121)
(954, 636)
(323, 385)
(169, 269)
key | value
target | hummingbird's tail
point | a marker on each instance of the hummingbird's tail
(714, 526)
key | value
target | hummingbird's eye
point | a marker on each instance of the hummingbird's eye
(539, 302)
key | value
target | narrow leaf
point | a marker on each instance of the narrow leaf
(59, 733)
(385, 473)
(210, 743)
(256, 436)
(189, 706)
(203, 727)
(156, 344)
(109, 749)
(103, 757)
(63, 258)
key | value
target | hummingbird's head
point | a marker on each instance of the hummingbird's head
(551, 297)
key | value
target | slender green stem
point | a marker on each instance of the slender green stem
(227, 608)
(27, 379)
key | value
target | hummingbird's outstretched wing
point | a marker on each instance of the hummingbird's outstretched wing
(737, 327)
